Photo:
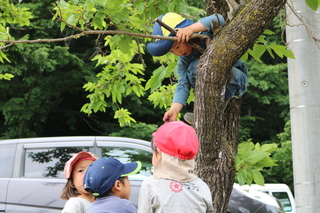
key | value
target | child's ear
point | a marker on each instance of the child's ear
(158, 150)
(117, 185)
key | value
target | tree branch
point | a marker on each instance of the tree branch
(234, 7)
(94, 32)
(304, 24)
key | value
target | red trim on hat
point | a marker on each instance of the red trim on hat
(82, 159)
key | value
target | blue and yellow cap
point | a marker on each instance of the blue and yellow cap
(104, 172)
(173, 20)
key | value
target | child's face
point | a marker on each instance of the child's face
(126, 189)
(155, 157)
(181, 49)
(78, 175)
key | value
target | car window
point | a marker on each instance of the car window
(48, 163)
(6, 159)
(126, 155)
(284, 199)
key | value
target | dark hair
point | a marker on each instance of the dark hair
(153, 146)
(109, 192)
(69, 190)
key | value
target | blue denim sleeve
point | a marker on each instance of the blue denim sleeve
(183, 88)
(206, 21)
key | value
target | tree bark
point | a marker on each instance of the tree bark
(218, 130)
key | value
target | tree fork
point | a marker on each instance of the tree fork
(218, 130)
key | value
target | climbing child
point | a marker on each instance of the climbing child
(189, 58)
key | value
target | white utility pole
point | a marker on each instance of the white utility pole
(304, 93)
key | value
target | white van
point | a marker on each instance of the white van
(278, 190)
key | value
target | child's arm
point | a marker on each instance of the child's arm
(184, 34)
(203, 24)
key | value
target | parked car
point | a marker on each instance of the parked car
(31, 174)
(278, 190)
(252, 201)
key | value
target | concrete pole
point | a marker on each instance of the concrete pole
(304, 93)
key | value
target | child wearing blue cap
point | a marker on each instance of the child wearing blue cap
(189, 58)
(107, 179)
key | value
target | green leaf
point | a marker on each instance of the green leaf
(281, 50)
(241, 177)
(257, 177)
(265, 162)
(268, 32)
(6, 76)
(254, 157)
(244, 57)
(71, 19)
(257, 51)
(249, 177)
(313, 4)
(246, 146)
(96, 23)
(268, 147)
(3, 56)
(123, 116)
(156, 79)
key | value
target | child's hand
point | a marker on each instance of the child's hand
(184, 34)
(169, 116)
(172, 113)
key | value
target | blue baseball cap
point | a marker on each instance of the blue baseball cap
(173, 20)
(104, 172)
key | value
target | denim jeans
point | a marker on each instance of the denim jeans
(237, 83)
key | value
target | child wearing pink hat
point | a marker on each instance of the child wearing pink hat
(79, 200)
(174, 187)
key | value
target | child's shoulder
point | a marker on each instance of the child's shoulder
(111, 204)
(76, 204)
(149, 179)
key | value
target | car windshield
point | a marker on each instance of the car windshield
(284, 199)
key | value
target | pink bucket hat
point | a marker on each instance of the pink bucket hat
(76, 158)
(177, 139)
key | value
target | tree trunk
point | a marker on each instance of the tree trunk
(218, 131)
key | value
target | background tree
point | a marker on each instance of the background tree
(46, 95)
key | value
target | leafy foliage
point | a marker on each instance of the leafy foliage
(121, 75)
(118, 79)
(283, 156)
(11, 14)
(6, 76)
(262, 45)
(266, 103)
(37, 86)
(251, 159)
